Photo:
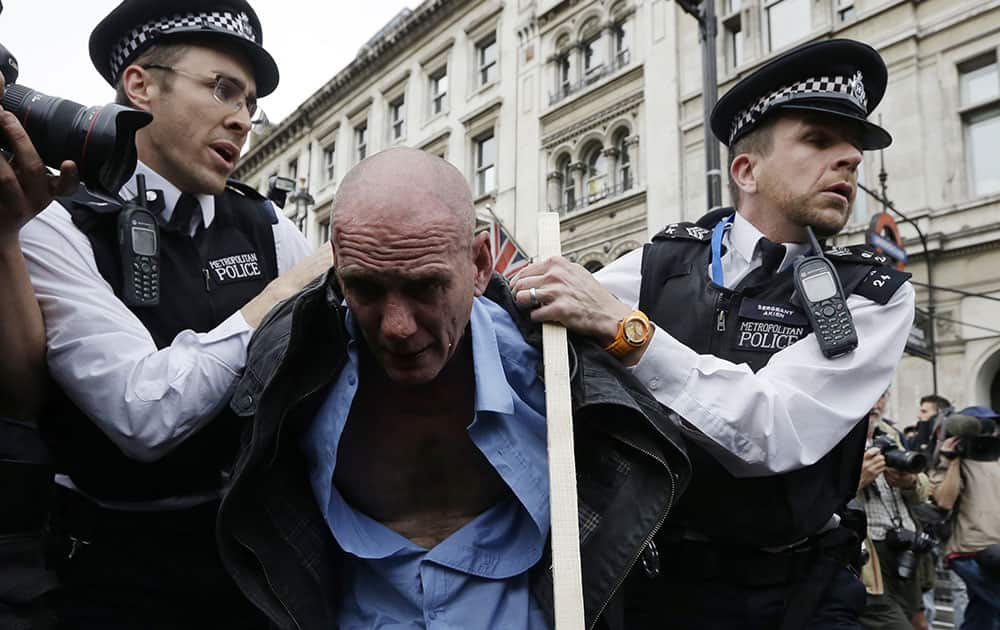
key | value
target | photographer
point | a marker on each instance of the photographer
(890, 485)
(933, 410)
(966, 480)
(26, 187)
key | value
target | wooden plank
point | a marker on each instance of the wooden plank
(566, 573)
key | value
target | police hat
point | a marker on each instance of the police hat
(135, 25)
(840, 77)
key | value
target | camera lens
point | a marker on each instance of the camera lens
(907, 461)
(101, 140)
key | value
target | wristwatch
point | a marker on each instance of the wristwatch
(634, 330)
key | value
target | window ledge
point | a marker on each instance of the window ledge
(603, 203)
(484, 88)
(486, 196)
(435, 117)
(978, 108)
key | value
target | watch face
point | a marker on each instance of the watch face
(635, 330)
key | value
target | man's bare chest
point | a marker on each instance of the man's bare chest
(420, 475)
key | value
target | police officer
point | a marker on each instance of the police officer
(776, 428)
(139, 424)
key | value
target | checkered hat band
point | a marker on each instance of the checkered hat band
(850, 88)
(235, 23)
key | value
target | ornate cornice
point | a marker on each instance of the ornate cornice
(627, 104)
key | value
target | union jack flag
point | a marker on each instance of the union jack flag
(508, 258)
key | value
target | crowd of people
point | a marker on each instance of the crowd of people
(356, 437)
(931, 492)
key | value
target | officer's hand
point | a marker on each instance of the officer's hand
(901, 480)
(567, 293)
(26, 186)
(872, 466)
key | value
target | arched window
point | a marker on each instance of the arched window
(593, 48)
(593, 266)
(597, 171)
(622, 37)
(565, 74)
(568, 185)
(624, 176)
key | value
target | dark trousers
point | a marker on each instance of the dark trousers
(702, 586)
(25, 492)
(147, 571)
(983, 609)
(699, 605)
(901, 598)
(882, 612)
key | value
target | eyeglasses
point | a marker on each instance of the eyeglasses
(226, 90)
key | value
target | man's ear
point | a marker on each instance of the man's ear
(742, 172)
(483, 260)
(139, 87)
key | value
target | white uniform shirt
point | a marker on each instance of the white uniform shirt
(797, 407)
(146, 400)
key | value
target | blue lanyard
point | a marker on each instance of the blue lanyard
(717, 233)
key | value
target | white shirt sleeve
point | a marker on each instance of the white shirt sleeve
(146, 400)
(796, 408)
(290, 245)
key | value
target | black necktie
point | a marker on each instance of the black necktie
(186, 209)
(771, 256)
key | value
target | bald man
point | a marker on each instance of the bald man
(396, 470)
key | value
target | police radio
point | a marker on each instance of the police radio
(139, 243)
(822, 298)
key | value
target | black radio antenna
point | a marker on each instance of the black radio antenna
(815, 243)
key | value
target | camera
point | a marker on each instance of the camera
(911, 544)
(100, 140)
(898, 458)
(278, 189)
(978, 440)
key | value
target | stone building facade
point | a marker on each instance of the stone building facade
(593, 109)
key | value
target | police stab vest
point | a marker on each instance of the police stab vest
(203, 281)
(749, 324)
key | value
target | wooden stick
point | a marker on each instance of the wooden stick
(566, 574)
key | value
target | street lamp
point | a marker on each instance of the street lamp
(704, 12)
(302, 200)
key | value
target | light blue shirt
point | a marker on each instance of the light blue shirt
(477, 577)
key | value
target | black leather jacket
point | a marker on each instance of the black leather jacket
(631, 468)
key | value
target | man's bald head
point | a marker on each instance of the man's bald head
(407, 261)
(404, 185)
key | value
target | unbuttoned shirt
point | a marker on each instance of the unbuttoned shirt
(478, 577)
(795, 409)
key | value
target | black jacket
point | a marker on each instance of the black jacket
(631, 468)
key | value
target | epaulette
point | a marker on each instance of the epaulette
(82, 197)
(242, 189)
(251, 193)
(864, 254)
(881, 281)
(684, 230)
